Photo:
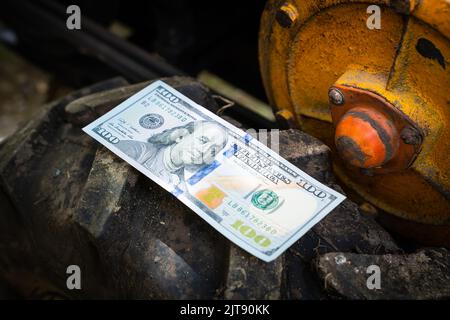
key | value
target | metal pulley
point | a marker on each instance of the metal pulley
(378, 97)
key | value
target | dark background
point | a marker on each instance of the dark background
(218, 36)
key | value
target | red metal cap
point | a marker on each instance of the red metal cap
(366, 138)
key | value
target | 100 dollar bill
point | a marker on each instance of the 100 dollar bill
(242, 188)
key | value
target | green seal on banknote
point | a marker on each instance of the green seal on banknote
(265, 199)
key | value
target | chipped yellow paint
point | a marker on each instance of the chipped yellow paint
(436, 13)
(275, 45)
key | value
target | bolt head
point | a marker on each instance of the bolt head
(336, 96)
(286, 15)
(410, 135)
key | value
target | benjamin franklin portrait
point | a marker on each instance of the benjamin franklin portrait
(168, 153)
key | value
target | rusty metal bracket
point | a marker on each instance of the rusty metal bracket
(410, 136)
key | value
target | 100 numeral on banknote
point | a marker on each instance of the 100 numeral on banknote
(242, 188)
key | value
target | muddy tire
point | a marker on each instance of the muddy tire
(66, 200)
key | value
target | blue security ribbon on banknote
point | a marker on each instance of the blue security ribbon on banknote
(245, 190)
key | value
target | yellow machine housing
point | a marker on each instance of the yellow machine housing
(402, 71)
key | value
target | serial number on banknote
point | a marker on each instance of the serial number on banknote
(245, 190)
